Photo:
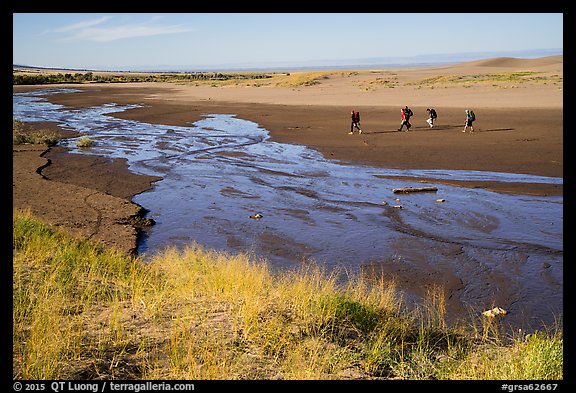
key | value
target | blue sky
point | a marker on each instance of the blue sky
(145, 40)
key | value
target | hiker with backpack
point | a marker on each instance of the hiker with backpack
(431, 116)
(355, 122)
(406, 114)
(470, 117)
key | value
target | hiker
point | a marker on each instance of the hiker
(355, 122)
(470, 117)
(406, 114)
(431, 116)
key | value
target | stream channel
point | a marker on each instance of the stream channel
(486, 249)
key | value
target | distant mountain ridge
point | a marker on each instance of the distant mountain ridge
(373, 62)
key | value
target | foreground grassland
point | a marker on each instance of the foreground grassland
(84, 312)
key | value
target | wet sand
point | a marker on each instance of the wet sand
(515, 140)
(88, 196)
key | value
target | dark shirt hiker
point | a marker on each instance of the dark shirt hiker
(355, 122)
(431, 116)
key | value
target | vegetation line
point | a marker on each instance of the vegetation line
(90, 77)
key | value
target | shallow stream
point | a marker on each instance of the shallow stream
(487, 249)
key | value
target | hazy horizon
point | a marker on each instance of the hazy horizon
(201, 41)
(426, 60)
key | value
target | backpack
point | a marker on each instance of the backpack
(472, 116)
(357, 117)
(433, 113)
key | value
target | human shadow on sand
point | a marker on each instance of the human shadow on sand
(435, 128)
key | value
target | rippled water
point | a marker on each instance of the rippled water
(218, 172)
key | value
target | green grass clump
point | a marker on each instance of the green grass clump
(537, 356)
(81, 311)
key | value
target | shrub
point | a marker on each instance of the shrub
(84, 141)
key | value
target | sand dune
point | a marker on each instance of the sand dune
(518, 63)
(422, 86)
